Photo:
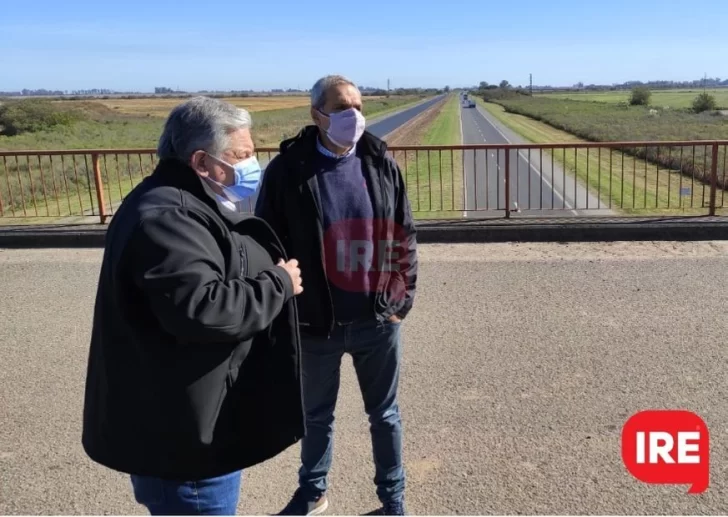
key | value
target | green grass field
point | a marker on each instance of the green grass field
(603, 122)
(675, 99)
(435, 178)
(104, 128)
(622, 182)
(53, 188)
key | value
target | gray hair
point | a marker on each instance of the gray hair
(201, 123)
(323, 85)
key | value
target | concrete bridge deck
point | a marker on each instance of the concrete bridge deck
(522, 363)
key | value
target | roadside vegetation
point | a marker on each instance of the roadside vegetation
(603, 122)
(115, 125)
(57, 188)
(674, 99)
(619, 179)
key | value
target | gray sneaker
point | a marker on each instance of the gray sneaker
(302, 505)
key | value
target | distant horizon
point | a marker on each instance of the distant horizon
(711, 82)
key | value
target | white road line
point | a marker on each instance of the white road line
(465, 174)
(535, 170)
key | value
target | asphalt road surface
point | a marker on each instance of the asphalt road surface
(521, 364)
(382, 128)
(538, 186)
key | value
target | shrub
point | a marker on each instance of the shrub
(30, 116)
(496, 94)
(704, 102)
(640, 96)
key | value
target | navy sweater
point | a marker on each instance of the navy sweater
(348, 235)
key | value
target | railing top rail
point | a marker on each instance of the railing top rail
(465, 147)
(68, 152)
(562, 145)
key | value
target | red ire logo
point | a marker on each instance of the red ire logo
(358, 253)
(667, 447)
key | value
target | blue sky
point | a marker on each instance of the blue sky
(211, 44)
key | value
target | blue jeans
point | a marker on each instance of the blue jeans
(214, 496)
(376, 352)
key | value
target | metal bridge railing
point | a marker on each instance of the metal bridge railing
(490, 180)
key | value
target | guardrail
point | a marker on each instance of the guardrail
(489, 180)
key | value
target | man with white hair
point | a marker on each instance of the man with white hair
(193, 372)
(339, 204)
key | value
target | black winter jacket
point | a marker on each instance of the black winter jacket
(194, 366)
(289, 201)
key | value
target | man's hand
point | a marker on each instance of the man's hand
(395, 319)
(294, 272)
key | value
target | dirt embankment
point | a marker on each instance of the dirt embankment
(414, 131)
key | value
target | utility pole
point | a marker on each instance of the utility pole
(530, 84)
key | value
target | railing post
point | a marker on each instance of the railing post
(713, 179)
(99, 187)
(508, 183)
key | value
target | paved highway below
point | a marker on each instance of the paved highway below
(538, 186)
(382, 128)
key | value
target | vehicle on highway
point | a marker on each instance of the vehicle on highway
(468, 104)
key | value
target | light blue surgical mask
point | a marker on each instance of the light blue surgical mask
(247, 179)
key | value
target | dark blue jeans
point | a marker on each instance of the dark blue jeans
(214, 496)
(375, 348)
